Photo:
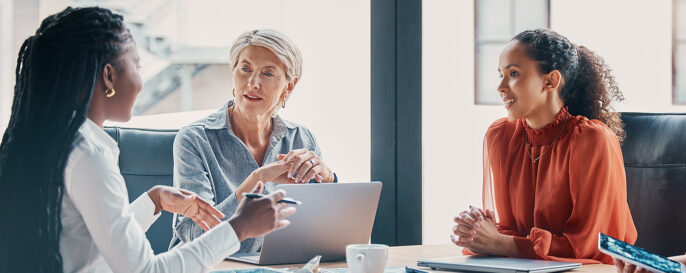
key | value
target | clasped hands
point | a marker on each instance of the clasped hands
(476, 230)
(298, 166)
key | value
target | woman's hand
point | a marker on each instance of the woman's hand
(257, 217)
(186, 203)
(276, 172)
(306, 165)
(488, 240)
(483, 237)
(466, 225)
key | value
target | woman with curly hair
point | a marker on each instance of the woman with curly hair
(553, 169)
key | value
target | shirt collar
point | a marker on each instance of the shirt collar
(218, 120)
(94, 132)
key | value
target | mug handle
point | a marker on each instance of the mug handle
(361, 261)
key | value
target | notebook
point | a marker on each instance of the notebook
(496, 264)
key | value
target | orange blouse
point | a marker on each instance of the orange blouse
(556, 207)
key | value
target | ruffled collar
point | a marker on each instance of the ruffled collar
(547, 134)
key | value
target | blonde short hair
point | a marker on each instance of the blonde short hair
(284, 49)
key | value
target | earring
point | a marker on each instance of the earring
(283, 103)
(110, 92)
(234, 92)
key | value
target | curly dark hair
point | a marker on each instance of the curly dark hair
(590, 88)
(57, 69)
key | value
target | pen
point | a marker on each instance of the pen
(284, 200)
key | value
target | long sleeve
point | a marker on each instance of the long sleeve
(141, 208)
(190, 174)
(98, 192)
(492, 138)
(597, 185)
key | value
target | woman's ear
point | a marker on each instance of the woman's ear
(108, 76)
(289, 88)
(552, 80)
(291, 85)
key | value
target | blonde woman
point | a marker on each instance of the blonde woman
(223, 155)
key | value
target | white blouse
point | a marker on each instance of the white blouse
(102, 232)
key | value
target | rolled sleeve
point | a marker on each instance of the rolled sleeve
(191, 173)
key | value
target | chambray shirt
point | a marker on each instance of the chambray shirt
(210, 160)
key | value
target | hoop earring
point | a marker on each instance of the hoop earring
(234, 92)
(110, 92)
(283, 103)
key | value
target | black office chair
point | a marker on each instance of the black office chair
(655, 163)
(146, 160)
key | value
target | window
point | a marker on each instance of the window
(184, 50)
(679, 53)
(496, 22)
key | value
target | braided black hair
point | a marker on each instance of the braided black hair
(589, 88)
(57, 69)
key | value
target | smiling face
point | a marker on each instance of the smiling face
(126, 81)
(522, 85)
(260, 82)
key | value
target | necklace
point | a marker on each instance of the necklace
(534, 160)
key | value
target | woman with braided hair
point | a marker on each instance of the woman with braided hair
(553, 169)
(62, 192)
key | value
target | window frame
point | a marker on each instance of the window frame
(396, 120)
(675, 68)
(478, 44)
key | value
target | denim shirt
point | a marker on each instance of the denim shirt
(210, 160)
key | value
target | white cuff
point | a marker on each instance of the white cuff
(143, 210)
(216, 244)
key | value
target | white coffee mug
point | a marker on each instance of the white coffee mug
(366, 258)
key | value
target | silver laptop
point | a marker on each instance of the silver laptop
(496, 264)
(332, 216)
